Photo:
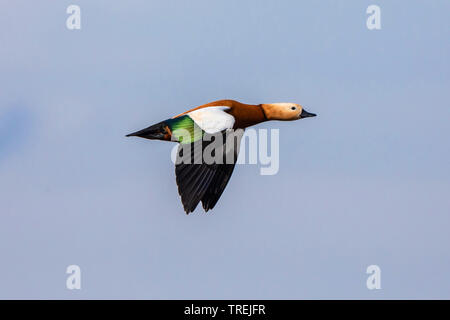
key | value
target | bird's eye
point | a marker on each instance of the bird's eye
(293, 108)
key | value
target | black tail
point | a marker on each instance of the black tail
(156, 131)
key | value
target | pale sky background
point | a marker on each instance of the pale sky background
(366, 182)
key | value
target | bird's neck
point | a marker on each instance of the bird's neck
(248, 115)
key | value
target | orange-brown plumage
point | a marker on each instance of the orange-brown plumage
(246, 115)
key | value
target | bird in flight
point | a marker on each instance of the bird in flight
(198, 178)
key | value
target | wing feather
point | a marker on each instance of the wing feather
(203, 182)
(213, 119)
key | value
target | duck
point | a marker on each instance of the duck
(201, 181)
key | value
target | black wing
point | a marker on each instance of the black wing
(200, 181)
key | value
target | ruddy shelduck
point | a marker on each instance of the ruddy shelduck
(199, 180)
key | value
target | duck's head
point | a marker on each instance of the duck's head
(285, 111)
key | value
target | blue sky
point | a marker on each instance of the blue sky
(366, 182)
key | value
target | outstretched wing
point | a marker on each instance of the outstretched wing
(217, 185)
(202, 179)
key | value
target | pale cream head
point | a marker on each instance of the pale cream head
(285, 111)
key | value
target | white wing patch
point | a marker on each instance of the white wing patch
(212, 119)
